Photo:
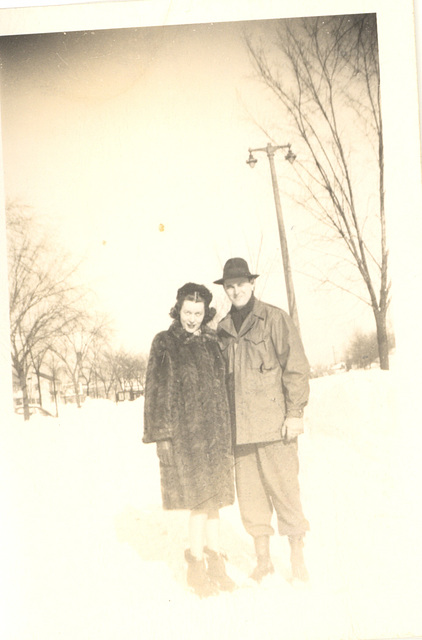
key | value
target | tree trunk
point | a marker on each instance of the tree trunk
(39, 387)
(76, 390)
(24, 389)
(382, 338)
(55, 396)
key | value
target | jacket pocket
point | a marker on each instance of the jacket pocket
(260, 354)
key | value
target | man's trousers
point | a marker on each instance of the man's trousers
(267, 480)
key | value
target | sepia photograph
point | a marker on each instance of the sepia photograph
(210, 349)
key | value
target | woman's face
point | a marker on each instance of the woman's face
(191, 315)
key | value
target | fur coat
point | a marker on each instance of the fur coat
(186, 402)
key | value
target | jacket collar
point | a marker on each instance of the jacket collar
(257, 312)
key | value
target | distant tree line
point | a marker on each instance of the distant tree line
(54, 334)
(362, 350)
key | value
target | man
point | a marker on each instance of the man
(268, 378)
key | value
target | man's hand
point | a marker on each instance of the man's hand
(292, 427)
(165, 452)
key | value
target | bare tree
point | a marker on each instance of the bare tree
(42, 295)
(75, 346)
(140, 369)
(362, 349)
(105, 371)
(37, 357)
(130, 371)
(96, 359)
(55, 368)
(324, 72)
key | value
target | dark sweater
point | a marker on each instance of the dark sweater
(240, 315)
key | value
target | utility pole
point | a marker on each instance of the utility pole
(290, 156)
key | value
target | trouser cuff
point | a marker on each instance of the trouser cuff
(256, 530)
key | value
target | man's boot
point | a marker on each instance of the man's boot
(264, 565)
(299, 570)
(197, 577)
(217, 570)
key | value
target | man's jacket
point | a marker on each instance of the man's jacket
(268, 372)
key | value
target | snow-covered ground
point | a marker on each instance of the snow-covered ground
(87, 553)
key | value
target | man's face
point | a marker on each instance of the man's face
(239, 290)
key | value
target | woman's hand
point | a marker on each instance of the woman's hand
(165, 452)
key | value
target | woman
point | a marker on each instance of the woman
(186, 414)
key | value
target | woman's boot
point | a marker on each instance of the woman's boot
(197, 577)
(264, 565)
(217, 570)
(299, 570)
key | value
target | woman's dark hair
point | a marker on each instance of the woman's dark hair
(196, 293)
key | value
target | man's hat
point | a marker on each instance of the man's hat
(235, 268)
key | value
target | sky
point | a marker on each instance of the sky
(132, 144)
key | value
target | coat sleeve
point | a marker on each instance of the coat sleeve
(158, 415)
(294, 363)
